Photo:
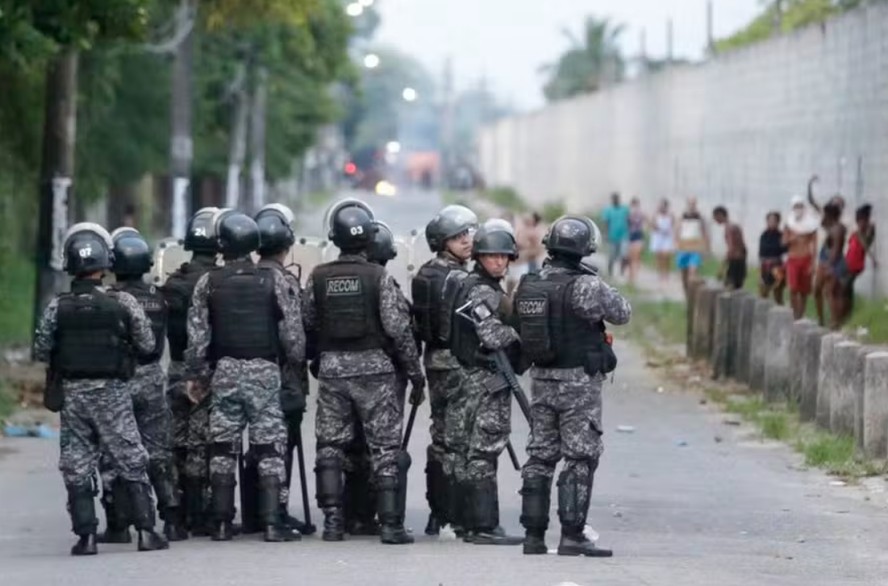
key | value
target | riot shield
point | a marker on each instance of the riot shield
(169, 255)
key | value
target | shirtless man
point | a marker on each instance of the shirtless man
(692, 243)
(800, 238)
(733, 269)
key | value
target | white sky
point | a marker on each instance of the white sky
(507, 40)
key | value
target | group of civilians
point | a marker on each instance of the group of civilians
(789, 256)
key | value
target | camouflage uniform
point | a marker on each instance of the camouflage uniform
(445, 378)
(566, 411)
(294, 385)
(190, 422)
(243, 392)
(98, 413)
(363, 386)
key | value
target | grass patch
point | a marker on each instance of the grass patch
(654, 321)
(318, 198)
(7, 400)
(871, 314)
(552, 211)
(17, 276)
(506, 198)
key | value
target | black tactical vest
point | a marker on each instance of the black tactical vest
(177, 291)
(155, 307)
(346, 294)
(244, 313)
(465, 345)
(427, 288)
(552, 335)
(92, 338)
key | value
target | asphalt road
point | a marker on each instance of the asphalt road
(683, 499)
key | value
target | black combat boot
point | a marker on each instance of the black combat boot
(82, 508)
(114, 501)
(485, 516)
(436, 495)
(359, 502)
(222, 506)
(195, 508)
(328, 478)
(573, 505)
(536, 495)
(168, 503)
(391, 512)
(143, 518)
(269, 509)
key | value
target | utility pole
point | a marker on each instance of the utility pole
(710, 42)
(669, 41)
(181, 143)
(778, 16)
(447, 159)
(56, 176)
(238, 145)
(257, 140)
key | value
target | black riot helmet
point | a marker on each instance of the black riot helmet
(88, 249)
(382, 248)
(349, 202)
(132, 255)
(451, 221)
(200, 234)
(572, 235)
(237, 233)
(495, 237)
(352, 228)
(275, 223)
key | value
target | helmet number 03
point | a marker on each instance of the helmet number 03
(356, 230)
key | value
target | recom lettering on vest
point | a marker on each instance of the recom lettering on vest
(533, 306)
(344, 286)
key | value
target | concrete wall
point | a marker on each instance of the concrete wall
(746, 130)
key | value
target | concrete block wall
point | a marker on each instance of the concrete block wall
(746, 129)
(838, 384)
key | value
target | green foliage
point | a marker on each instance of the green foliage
(16, 299)
(506, 198)
(796, 14)
(553, 210)
(589, 63)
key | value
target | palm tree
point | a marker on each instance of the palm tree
(589, 64)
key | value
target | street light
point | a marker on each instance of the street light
(354, 9)
(409, 94)
(371, 61)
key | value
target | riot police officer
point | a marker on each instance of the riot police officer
(91, 338)
(242, 323)
(449, 236)
(190, 421)
(561, 313)
(132, 259)
(483, 412)
(359, 491)
(276, 237)
(354, 310)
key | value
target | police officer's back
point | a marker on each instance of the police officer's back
(561, 313)
(91, 338)
(354, 310)
(242, 324)
(190, 421)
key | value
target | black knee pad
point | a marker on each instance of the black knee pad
(261, 452)
(328, 476)
(536, 497)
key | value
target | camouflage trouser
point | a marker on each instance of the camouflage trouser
(443, 386)
(489, 422)
(247, 393)
(147, 389)
(565, 423)
(100, 419)
(190, 427)
(377, 402)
